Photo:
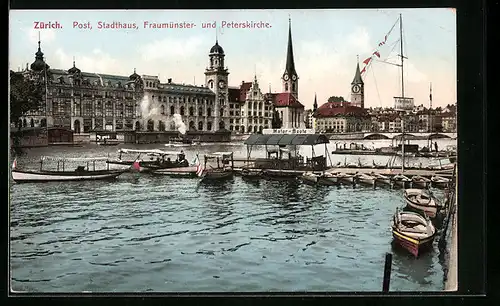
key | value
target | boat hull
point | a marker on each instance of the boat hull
(146, 166)
(415, 246)
(330, 181)
(216, 175)
(349, 180)
(420, 184)
(430, 211)
(177, 172)
(51, 176)
(309, 180)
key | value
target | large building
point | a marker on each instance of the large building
(88, 101)
(344, 117)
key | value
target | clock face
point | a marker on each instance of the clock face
(221, 84)
(294, 77)
(356, 88)
(286, 77)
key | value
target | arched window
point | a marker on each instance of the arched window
(172, 110)
(161, 126)
(200, 126)
(137, 126)
(32, 122)
(242, 128)
(209, 112)
(209, 126)
(222, 125)
(191, 125)
(151, 125)
(293, 86)
(182, 111)
(77, 126)
(162, 109)
(286, 86)
(191, 111)
(221, 112)
(24, 122)
(200, 111)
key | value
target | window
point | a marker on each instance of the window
(109, 109)
(76, 108)
(200, 126)
(200, 113)
(162, 108)
(182, 111)
(191, 111)
(209, 113)
(172, 110)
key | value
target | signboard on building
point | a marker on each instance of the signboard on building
(403, 104)
(288, 131)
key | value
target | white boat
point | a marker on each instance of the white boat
(346, 178)
(412, 231)
(400, 180)
(420, 181)
(62, 173)
(421, 200)
(177, 172)
(328, 178)
(383, 179)
(309, 178)
(440, 182)
(366, 179)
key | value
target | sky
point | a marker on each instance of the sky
(326, 46)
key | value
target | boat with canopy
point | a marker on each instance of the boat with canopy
(65, 172)
(222, 168)
(154, 159)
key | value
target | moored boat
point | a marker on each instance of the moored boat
(222, 169)
(251, 173)
(154, 159)
(439, 181)
(62, 173)
(420, 181)
(328, 178)
(412, 231)
(366, 179)
(422, 201)
(309, 178)
(382, 179)
(400, 180)
(346, 178)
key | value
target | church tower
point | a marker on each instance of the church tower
(290, 79)
(358, 89)
(315, 104)
(216, 79)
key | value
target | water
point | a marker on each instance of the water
(144, 233)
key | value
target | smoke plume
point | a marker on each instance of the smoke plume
(179, 124)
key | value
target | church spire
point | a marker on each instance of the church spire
(290, 64)
(357, 77)
(315, 104)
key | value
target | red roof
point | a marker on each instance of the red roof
(285, 99)
(234, 94)
(244, 88)
(330, 109)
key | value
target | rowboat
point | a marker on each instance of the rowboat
(366, 179)
(439, 181)
(383, 179)
(420, 181)
(177, 172)
(155, 159)
(222, 169)
(328, 179)
(400, 180)
(62, 173)
(309, 178)
(412, 231)
(251, 173)
(421, 200)
(346, 178)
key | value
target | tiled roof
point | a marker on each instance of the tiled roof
(234, 95)
(332, 110)
(285, 99)
(244, 88)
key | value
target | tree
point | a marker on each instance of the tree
(336, 99)
(25, 95)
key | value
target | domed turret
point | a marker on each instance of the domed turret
(134, 76)
(216, 49)
(39, 64)
(73, 69)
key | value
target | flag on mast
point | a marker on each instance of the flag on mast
(136, 165)
(199, 167)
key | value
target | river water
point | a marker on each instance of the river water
(143, 233)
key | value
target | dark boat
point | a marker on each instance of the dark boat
(412, 231)
(158, 159)
(251, 173)
(223, 168)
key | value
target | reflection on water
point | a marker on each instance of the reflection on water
(154, 233)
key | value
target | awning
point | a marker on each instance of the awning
(287, 139)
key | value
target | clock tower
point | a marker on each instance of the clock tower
(358, 89)
(216, 79)
(290, 79)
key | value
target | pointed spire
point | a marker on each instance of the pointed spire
(290, 64)
(134, 70)
(269, 87)
(315, 104)
(357, 77)
(74, 61)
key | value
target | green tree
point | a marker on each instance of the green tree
(336, 99)
(25, 95)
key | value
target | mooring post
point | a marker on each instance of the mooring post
(387, 272)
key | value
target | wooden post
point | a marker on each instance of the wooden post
(387, 272)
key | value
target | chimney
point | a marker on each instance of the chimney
(169, 81)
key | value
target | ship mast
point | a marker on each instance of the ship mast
(402, 95)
